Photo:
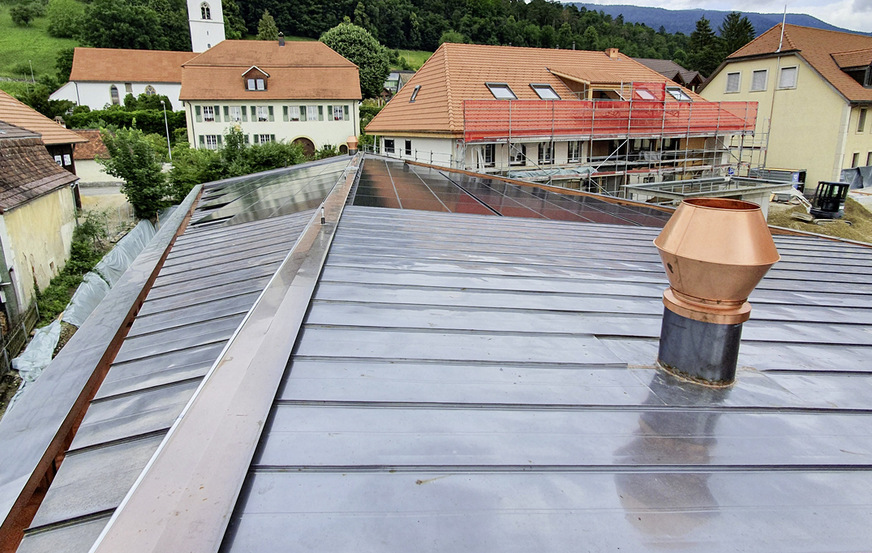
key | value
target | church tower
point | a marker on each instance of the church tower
(207, 24)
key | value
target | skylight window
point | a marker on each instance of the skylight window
(501, 91)
(645, 94)
(545, 91)
(415, 93)
(678, 94)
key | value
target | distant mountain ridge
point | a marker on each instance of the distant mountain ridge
(684, 21)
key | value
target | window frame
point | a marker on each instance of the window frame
(539, 88)
(546, 148)
(678, 94)
(569, 148)
(415, 93)
(781, 85)
(311, 113)
(738, 88)
(114, 96)
(210, 141)
(389, 148)
(765, 73)
(489, 155)
(517, 154)
(861, 120)
(208, 114)
(205, 11)
(408, 148)
(501, 86)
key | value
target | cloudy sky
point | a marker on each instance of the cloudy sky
(849, 14)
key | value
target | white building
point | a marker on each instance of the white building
(300, 92)
(206, 19)
(104, 76)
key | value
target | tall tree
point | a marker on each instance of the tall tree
(736, 31)
(704, 48)
(234, 25)
(360, 48)
(266, 28)
(122, 24)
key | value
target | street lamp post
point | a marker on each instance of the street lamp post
(167, 127)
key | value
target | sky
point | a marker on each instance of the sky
(850, 14)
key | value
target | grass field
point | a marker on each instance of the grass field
(22, 46)
(416, 58)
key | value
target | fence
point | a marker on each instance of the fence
(13, 341)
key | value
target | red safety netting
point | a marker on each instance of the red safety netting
(651, 111)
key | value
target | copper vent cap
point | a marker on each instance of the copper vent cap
(715, 252)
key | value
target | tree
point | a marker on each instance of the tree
(234, 25)
(736, 31)
(266, 28)
(704, 48)
(64, 17)
(360, 48)
(134, 159)
(453, 37)
(64, 64)
(122, 24)
(23, 14)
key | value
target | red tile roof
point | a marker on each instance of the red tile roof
(297, 70)
(92, 148)
(458, 72)
(826, 51)
(130, 66)
(16, 113)
(27, 171)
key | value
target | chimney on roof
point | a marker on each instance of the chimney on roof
(715, 251)
(281, 39)
(612, 53)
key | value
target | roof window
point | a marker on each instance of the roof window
(501, 91)
(678, 94)
(545, 91)
(415, 93)
(645, 94)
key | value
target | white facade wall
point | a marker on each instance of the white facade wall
(89, 171)
(437, 151)
(98, 95)
(205, 33)
(320, 132)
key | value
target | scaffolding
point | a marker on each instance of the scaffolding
(644, 132)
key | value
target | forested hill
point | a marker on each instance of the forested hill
(684, 21)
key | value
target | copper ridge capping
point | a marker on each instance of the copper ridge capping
(715, 251)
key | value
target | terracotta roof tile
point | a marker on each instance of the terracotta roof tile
(132, 66)
(92, 148)
(16, 113)
(821, 49)
(27, 171)
(458, 72)
(855, 58)
(298, 70)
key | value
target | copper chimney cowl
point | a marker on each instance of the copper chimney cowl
(715, 252)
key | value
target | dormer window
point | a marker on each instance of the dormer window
(501, 91)
(205, 11)
(678, 94)
(255, 78)
(645, 94)
(545, 91)
(415, 93)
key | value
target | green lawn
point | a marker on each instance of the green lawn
(21, 46)
(416, 57)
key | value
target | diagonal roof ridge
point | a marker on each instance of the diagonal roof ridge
(445, 62)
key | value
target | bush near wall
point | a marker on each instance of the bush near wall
(148, 121)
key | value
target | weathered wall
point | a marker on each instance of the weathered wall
(36, 238)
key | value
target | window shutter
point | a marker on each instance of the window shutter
(272, 138)
(244, 115)
(257, 139)
(271, 117)
(285, 112)
(217, 113)
(198, 116)
(226, 113)
(202, 140)
(320, 113)
(330, 113)
(245, 138)
(219, 140)
(253, 114)
(302, 113)
(345, 115)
